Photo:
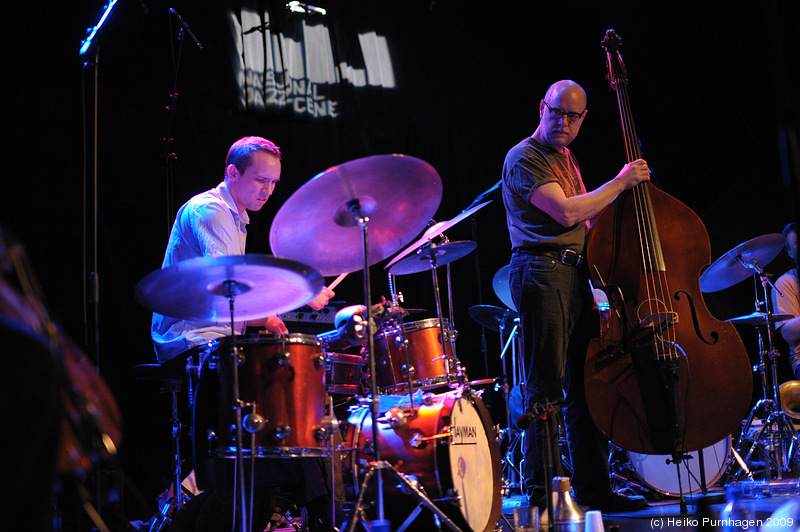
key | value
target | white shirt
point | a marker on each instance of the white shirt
(208, 225)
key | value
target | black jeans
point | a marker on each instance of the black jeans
(558, 319)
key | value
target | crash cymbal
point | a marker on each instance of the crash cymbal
(728, 270)
(442, 253)
(759, 318)
(198, 289)
(317, 225)
(493, 317)
(501, 287)
(435, 230)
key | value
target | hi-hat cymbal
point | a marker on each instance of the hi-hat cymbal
(759, 318)
(501, 287)
(441, 254)
(728, 270)
(493, 317)
(198, 289)
(435, 230)
(318, 225)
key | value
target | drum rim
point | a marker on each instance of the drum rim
(267, 339)
(410, 326)
(709, 481)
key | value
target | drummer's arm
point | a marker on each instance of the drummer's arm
(786, 300)
(271, 325)
(790, 330)
(322, 298)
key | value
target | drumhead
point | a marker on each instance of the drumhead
(656, 473)
(471, 464)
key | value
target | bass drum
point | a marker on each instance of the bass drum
(449, 445)
(661, 476)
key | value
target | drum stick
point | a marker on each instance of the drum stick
(337, 280)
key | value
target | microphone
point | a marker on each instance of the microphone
(299, 7)
(186, 27)
(538, 411)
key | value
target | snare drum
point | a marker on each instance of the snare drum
(449, 445)
(282, 387)
(344, 373)
(661, 476)
(429, 361)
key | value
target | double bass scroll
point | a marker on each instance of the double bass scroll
(665, 376)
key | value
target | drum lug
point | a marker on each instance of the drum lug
(428, 398)
(253, 423)
(407, 371)
(283, 358)
(322, 433)
(369, 447)
(319, 361)
(396, 418)
(400, 342)
(212, 438)
(283, 431)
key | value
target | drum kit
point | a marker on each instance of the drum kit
(418, 420)
(776, 440)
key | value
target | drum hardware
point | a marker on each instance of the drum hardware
(362, 193)
(170, 382)
(445, 440)
(736, 265)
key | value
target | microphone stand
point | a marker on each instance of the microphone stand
(167, 154)
(474, 228)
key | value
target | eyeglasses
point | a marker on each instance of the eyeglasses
(560, 113)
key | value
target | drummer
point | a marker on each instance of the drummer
(787, 301)
(214, 223)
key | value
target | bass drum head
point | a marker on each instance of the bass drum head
(661, 476)
(472, 466)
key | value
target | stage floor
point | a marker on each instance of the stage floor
(667, 516)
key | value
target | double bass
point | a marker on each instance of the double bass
(665, 377)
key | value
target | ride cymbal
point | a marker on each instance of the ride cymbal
(198, 289)
(319, 224)
(730, 268)
(440, 255)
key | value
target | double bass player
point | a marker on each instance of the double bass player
(548, 212)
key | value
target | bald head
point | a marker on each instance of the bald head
(561, 114)
(566, 89)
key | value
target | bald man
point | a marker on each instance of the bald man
(548, 212)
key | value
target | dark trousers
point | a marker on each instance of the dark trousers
(558, 319)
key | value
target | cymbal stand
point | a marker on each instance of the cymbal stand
(407, 370)
(513, 434)
(430, 250)
(230, 290)
(378, 465)
(776, 431)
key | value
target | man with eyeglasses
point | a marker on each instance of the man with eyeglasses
(548, 212)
